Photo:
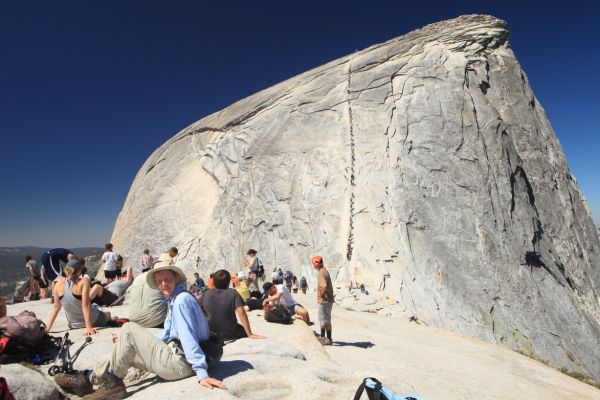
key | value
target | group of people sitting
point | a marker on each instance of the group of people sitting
(186, 320)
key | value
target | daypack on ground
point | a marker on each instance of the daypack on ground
(23, 337)
(376, 391)
(212, 349)
(280, 315)
(25, 327)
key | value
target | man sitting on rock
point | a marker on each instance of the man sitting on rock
(111, 293)
(169, 256)
(280, 293)
(175, 355)
(222, 305)
(146, 305)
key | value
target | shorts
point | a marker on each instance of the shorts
(101, 320)
(294, 309)
(106, 298)
(41, 283)
(237, 333)
(324, 313)
(110, 274)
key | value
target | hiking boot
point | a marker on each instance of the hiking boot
(110, 387)
(324, 341)
(77, 383)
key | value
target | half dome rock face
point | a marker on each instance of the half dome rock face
(423, 167)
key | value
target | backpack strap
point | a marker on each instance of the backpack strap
(359, 391)
(373, 387)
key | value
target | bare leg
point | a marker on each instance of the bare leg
(303, 314)
(96, 291)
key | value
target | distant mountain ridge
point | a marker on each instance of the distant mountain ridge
(12, 263)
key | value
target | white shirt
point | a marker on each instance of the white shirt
(118, 287)
(110, 258)
(286, 298)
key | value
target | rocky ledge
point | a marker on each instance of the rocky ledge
(291, 364)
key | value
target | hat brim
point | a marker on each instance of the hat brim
(173, 268)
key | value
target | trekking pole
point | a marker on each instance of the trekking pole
(88, 340)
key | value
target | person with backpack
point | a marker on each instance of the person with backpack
(288, 277)
(324, 299)
(73, 293)
(254, 265)
(280, 294)
(34, 277)
(175, 355)
(303, 284)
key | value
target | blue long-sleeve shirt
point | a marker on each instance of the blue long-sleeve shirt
(186, 321)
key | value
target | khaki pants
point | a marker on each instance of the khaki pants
(136, 347)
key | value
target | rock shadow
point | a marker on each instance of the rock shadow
(143, 384)
(226, 369)
(362, 345)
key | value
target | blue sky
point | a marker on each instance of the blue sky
(88, 90)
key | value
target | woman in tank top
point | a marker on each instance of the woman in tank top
(73, 293)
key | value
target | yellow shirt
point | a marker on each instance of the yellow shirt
(243, 290)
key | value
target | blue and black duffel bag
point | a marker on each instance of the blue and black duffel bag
(376, 391)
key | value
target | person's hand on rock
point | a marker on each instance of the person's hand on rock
(90, 331)
(212, 383)
(255, 336)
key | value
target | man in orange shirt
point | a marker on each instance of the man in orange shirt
(324, 298)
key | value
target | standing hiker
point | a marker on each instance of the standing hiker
(324, 298)
(34, 276)
(253, 264)
(109, 259)
(303, 284)
(146, 261)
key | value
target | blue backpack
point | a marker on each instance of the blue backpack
(375, 391)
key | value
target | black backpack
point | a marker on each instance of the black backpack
(13, 350)
(260, 268)
(280, 315)
(212, 349)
